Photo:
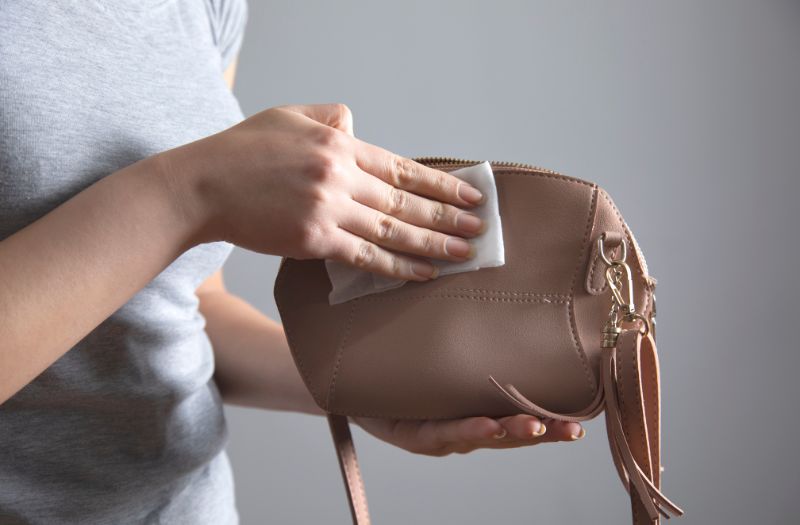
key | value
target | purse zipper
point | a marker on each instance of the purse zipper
(499, 164)
(434, 160)
(445, 161)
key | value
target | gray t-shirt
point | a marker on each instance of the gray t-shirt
(128, 426)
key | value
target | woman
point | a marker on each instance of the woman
(126, 178)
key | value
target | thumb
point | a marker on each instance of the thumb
(336, 116)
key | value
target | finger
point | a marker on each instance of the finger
(417, 178)
(390, 232)
(523, 426)
(520, 432)
(337, 116)
(463, 432)
(562, 431)
(517, 431)
(366, 255)
(414, 209)
(439, 437)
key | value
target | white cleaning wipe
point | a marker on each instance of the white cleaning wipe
(350, 282)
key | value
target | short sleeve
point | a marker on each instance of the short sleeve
(228, 19)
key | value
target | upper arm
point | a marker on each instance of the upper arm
(214, 283)
(227, 21)
(230, 73)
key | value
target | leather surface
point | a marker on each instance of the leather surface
(351, 472)
(426, 350)
(630, 394)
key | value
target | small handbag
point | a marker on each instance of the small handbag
(565, 330)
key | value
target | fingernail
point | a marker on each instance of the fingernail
(425, 269)
(579, 436)
(500, 434)
(469, 193)
(469, 222)
(459, 247)
(542, 430)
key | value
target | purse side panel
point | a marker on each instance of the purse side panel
(314, 329)
(592, 298)
(426, 350)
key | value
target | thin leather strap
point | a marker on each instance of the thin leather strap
(630, 386)
(348, 463)
(637, 422)
(629, 392)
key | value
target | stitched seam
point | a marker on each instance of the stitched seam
(621, 390)
(340, 353)
(625, 431)
(525, 172)
(653, 388)
(289, 337)
(414, 417)
(638, 250)
(590, 380)
(542, 300)
(627, 231)
(350, 451)
(637, 402)
(506, 292)
(576, 344)
(591, 272)
(595, 264)
(622, 404)
(560, 178)
(360, 482)
(406, 417)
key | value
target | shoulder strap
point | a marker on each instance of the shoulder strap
(348, 463)
(632, 402)
(633, 419)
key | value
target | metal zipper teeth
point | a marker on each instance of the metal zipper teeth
(499, 164)
(496, 164)
(530, 167)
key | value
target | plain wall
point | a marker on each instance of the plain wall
(688, 113)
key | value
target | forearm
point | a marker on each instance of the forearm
(253, 364)
(66, 272)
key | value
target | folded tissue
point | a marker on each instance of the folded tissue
(349, 282)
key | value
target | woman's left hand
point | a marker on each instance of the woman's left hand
(443, 437)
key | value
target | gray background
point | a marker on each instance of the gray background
(688, 114)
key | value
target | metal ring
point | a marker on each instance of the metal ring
(645, 322)
(602, 250)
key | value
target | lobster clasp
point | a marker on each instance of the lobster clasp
(601, 249)
(618, 276)
(615, 275)
(620, 282)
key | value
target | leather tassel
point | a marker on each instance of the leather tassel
(633, 477)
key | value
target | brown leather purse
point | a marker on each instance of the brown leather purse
(565, 329)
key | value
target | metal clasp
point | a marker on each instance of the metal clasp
(620, 281)
(614, 274)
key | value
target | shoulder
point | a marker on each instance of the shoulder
(227, 19)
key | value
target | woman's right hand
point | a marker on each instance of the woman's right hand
(294, 181)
